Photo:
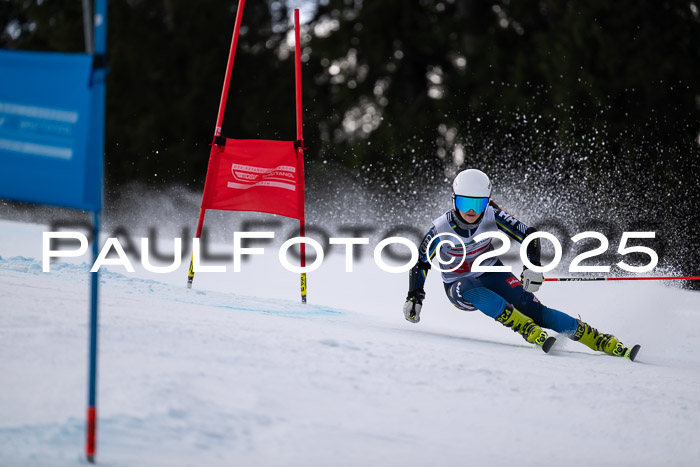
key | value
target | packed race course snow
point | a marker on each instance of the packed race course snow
(237, 372)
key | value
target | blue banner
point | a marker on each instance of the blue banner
(51, 121)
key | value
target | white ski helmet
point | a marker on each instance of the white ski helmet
(471, 189)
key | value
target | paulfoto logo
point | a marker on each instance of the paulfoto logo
(461, 258)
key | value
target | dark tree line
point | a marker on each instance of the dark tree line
(599, 94)
(395, 74)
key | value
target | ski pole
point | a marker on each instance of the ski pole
(660, 278)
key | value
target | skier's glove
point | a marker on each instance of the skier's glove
(413, 305)
(531, 280)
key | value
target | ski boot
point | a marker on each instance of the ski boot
(607, 343)
(526, 327)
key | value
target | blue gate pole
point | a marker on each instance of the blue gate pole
(99, 75)
(91, 438)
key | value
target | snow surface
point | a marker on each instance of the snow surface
(237, 372)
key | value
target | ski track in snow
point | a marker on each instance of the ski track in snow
(210, 377)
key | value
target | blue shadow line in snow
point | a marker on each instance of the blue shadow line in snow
(314, 312)
(317, 312)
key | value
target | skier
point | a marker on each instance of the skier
(499, 295)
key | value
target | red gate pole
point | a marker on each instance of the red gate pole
(658, 278)
(229, 68)
(213, 156)
(300, 150)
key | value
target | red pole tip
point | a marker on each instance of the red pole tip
(91, 434)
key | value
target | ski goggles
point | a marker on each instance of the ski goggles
(464, 204)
